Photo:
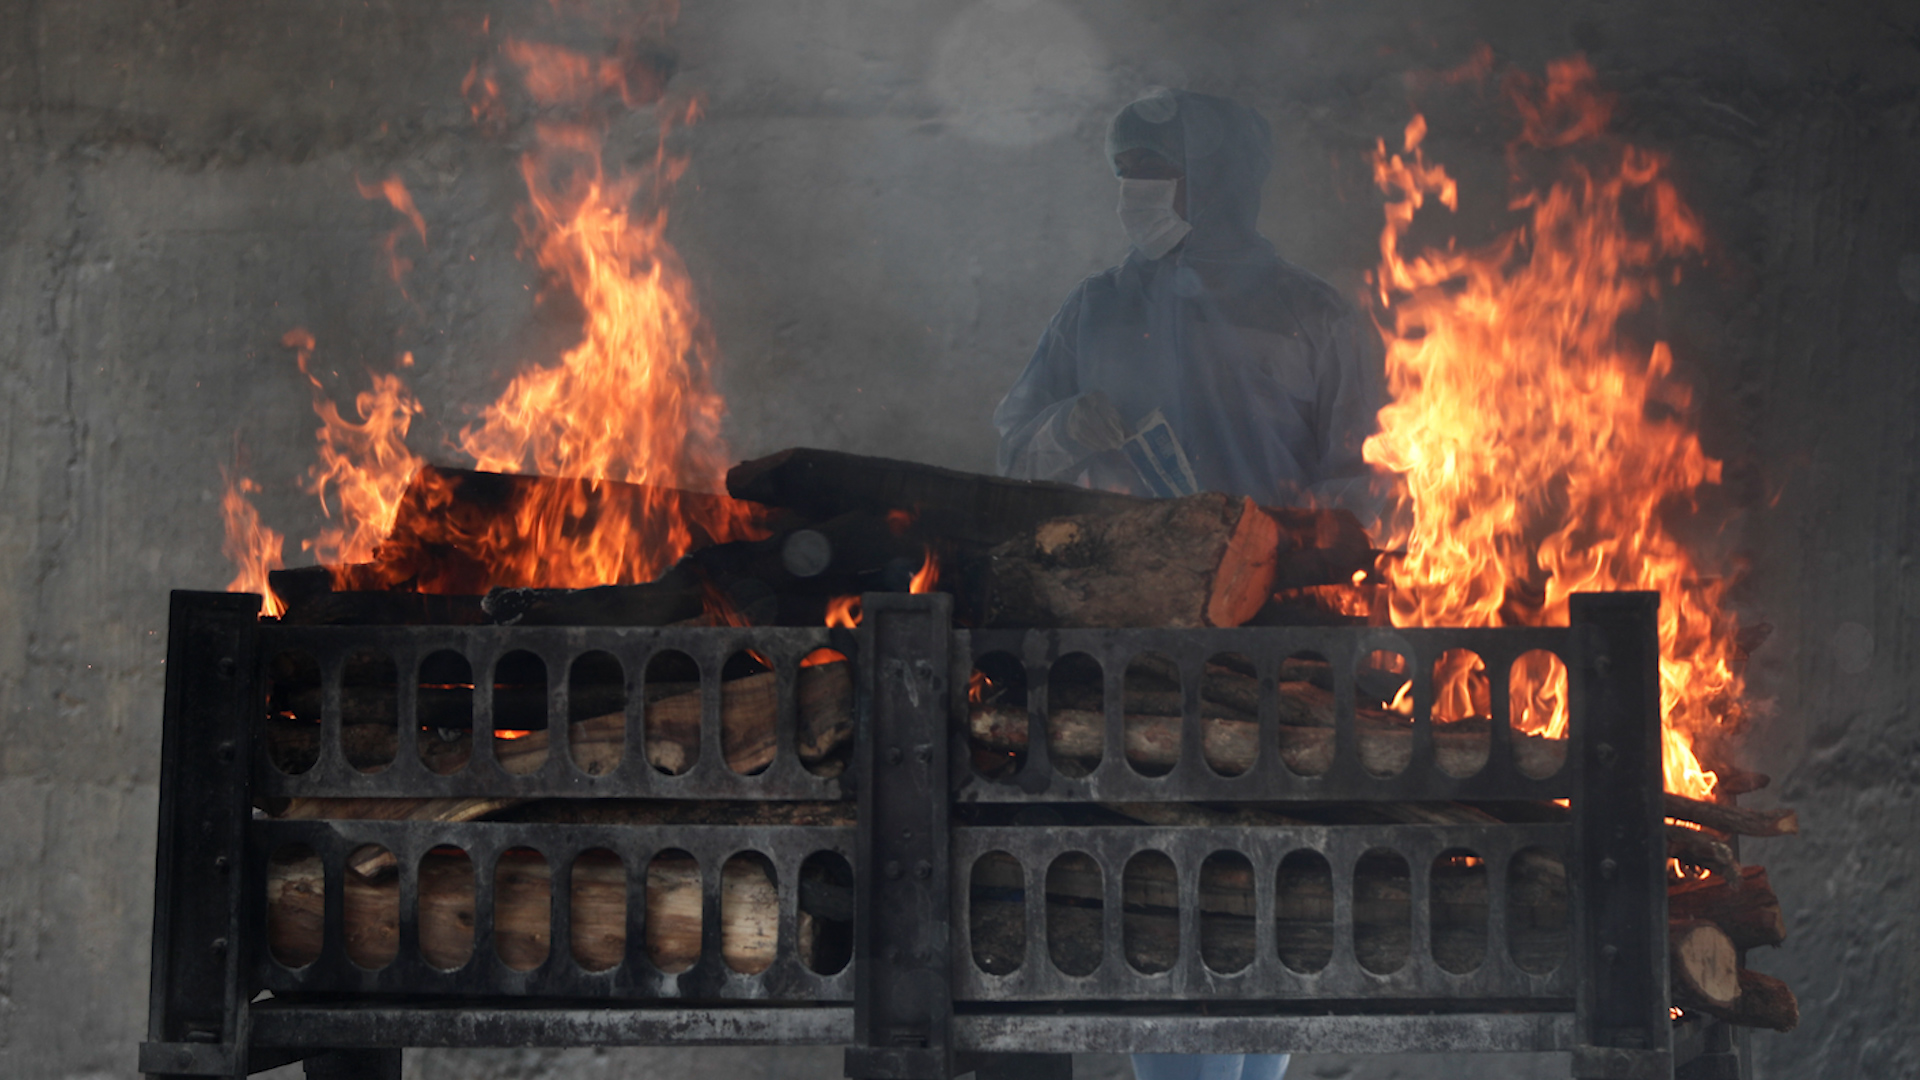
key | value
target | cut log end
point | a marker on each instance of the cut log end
(1705, 965)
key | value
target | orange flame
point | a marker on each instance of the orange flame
(632, 402)
(1537, 453)
(394, 190)
(927, 578)
(843, 611)
(364, 464)
(978, 685)
(253, 548)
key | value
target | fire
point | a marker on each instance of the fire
(843, 611)
(394, 191)
(978, 686)
(364, 464)
(1538, 453)
(927, 578)
(632, 401)
(253, 548)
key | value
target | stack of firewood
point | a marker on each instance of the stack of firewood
(1013, 554)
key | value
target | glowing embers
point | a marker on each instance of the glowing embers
(997, 715)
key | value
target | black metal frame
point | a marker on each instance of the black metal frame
(912, 1004)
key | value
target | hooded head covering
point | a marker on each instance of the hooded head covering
(1224, 148)
(1265, 376)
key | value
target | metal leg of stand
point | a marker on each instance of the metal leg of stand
(1024, 1067)
(354, 1065)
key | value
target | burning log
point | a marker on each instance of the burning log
(1705, 850)
(1733, 819)
(972, 514)
(1207, 560)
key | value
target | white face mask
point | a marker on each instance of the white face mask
(1146, 212)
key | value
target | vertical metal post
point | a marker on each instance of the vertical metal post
(903, 990)
(197, 1022)
(1622, 1028)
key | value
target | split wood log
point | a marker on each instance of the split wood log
(1205, 560)
(1733, 819)
(671, 723)
(1537, 897)
(974, 513)
(1706, 850)
(1763, 1001)
(1231, 743)
(1704, 966)
(1749, 912)
(522, 902)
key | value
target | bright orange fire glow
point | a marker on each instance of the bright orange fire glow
(632, 401)
(1538, 453)
(364, 465)
(977, 686)
(510, 733)
(927, 578)
(843, 611)
(253, 548)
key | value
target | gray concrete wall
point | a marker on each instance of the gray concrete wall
(886, 202)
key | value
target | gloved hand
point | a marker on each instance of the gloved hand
(1095, 424)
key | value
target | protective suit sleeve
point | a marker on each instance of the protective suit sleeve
(1352, 388)
(1033, 419)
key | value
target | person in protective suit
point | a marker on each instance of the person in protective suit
(1204, 362)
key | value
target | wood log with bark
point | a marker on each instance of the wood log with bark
(1206, 560)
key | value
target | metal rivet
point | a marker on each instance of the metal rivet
(226, 667)
(222, 863)
(893, 755)
(1606, 754)
(219, 944)
(923, 870)
(1609, 952)
(1608, 868)
(225, 752)
(906, 834)
(892, 870)
(923, 754)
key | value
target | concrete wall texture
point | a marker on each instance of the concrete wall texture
(885, 203)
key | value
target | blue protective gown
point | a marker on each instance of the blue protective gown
(1268, 377)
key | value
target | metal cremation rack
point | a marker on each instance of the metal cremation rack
(912, 1002)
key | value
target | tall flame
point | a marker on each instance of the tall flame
(365, 465)
(633, 401)
(253, 548)
(1538, 453)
